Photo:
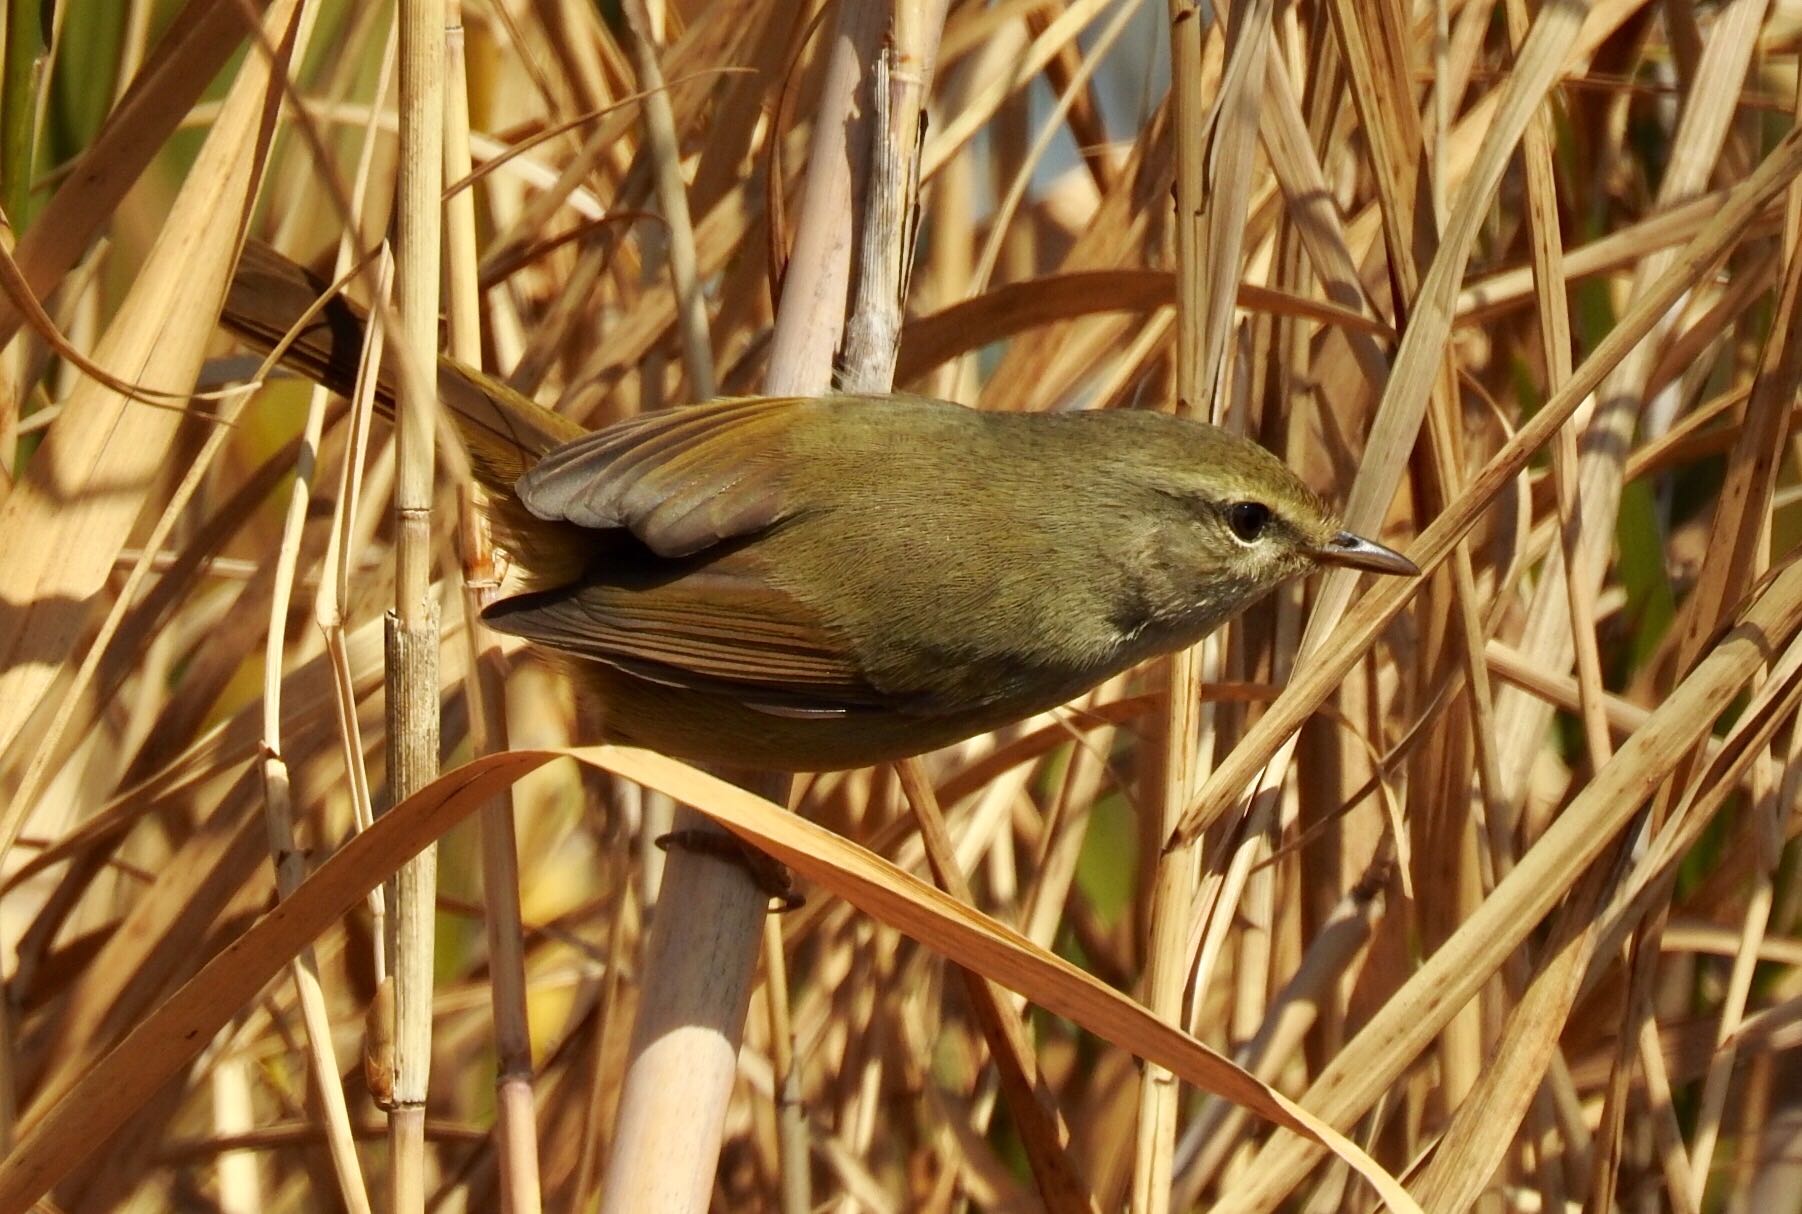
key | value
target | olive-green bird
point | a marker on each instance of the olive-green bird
(818, 583)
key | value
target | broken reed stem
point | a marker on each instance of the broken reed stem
(812, 311)
(516, 1123)
(701, 950)
(682, 1062)
(412, 627)
(698, 963)
(886, 218)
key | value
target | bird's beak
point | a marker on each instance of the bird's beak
(1356, 552)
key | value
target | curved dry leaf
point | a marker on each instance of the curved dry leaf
(14, 286)
(928, 341)
(55, 1139)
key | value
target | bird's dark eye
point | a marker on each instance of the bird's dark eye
(1248, 520)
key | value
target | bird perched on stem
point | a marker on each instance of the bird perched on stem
(817, 583)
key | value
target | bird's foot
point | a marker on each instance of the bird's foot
(770, 876)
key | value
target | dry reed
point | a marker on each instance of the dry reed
(1488, 887)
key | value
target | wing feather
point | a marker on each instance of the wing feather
(706, 631)
(681, 480)
(690, 608)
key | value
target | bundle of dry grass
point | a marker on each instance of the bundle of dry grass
(1481, 886)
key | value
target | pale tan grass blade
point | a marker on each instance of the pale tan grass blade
(960, 934)
(1694, 150)
(186, 59)
(1390, 1041)
(334, 591)
(55, 1139)
(981, 106)
(1227, 148)
(57, 549)
(1035, 1116)
(672, 203)
(1381, 86)
(1360, 629)
(1308, 197)
(1168, 766)
(1482, 299)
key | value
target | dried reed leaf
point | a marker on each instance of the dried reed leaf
(138, 866)
(62, 1133)
(936, 338)
(1407, 1021)
(58, 537)
(196, 43)
(1354, 636)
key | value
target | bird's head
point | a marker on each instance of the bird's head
(1230, 521)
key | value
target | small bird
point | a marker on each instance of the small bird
(813, 583)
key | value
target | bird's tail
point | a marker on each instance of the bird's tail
(506, 433)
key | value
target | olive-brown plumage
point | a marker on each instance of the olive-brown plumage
(812, 583)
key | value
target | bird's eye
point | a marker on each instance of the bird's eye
(1248, 520)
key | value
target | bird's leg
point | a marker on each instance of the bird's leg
(771, 876)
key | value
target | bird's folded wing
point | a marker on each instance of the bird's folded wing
(705, 632)
(681, 480)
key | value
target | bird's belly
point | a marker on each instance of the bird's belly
(714, 729)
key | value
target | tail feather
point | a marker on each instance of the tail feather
(506, 433)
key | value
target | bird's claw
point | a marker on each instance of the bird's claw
(770, 876)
